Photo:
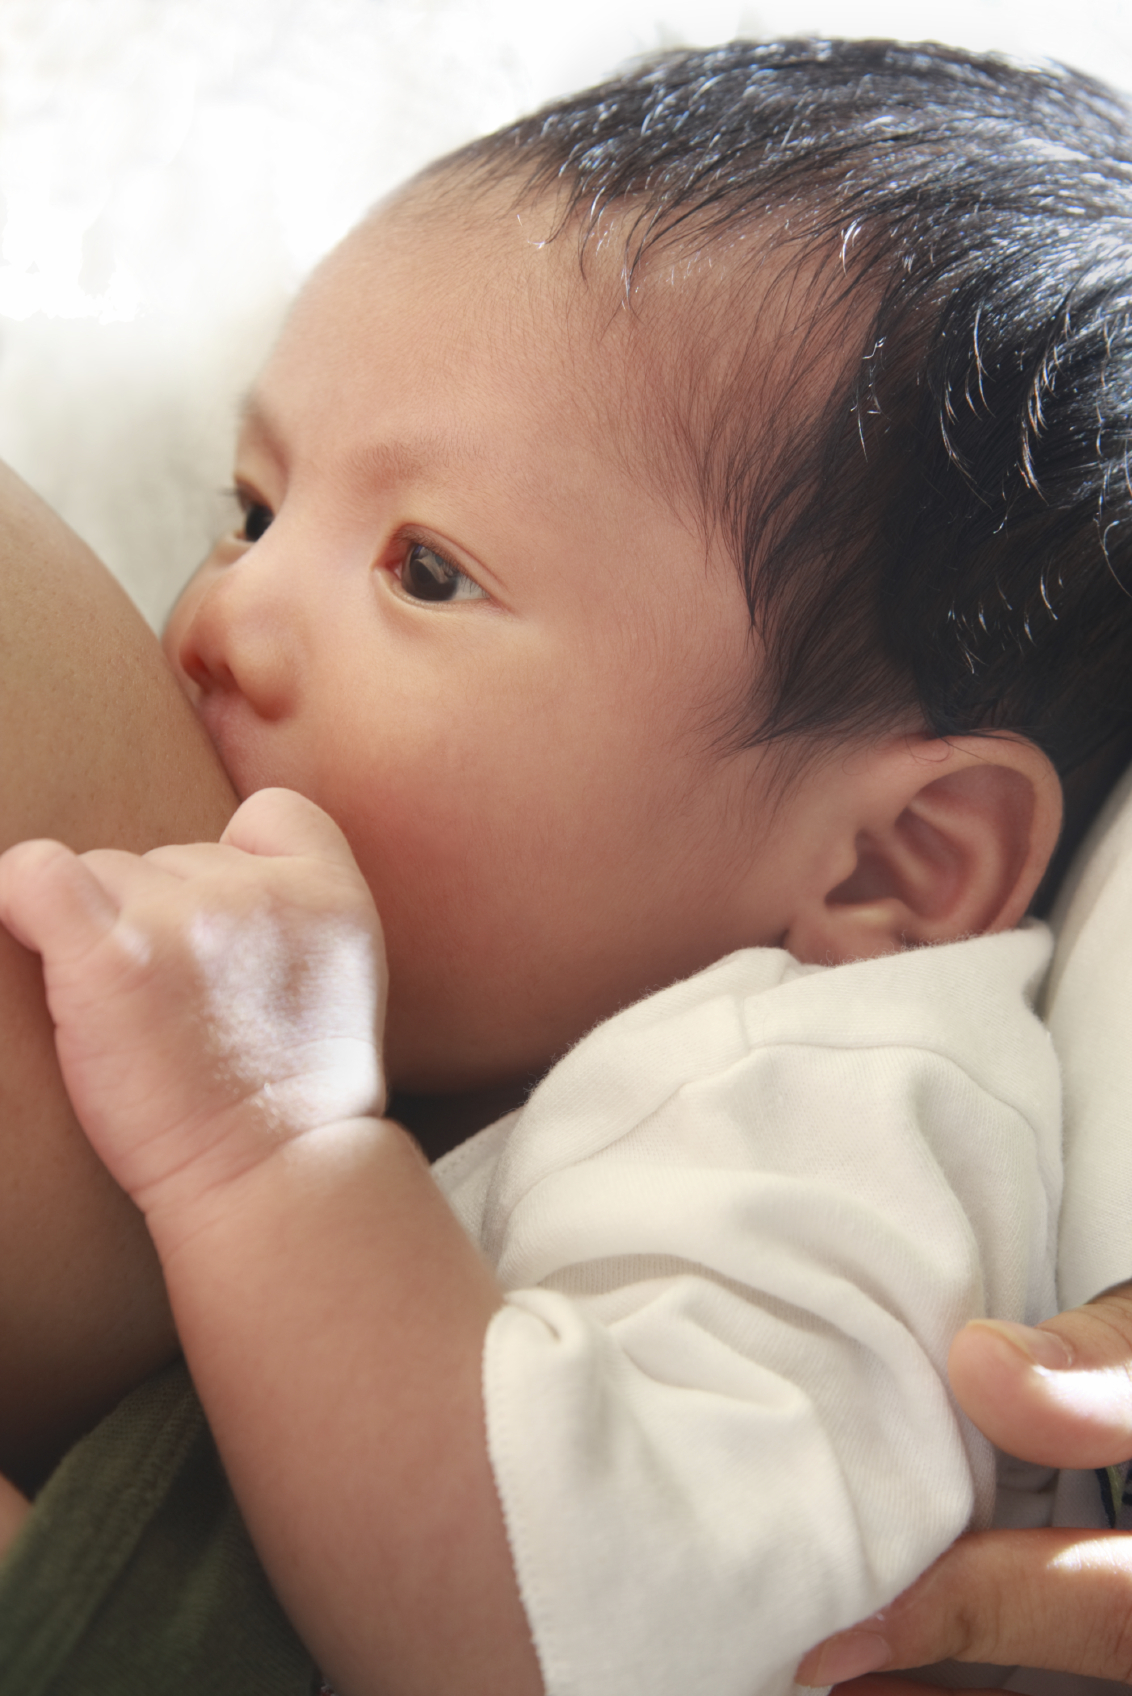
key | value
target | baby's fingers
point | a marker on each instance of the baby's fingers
(52, 902)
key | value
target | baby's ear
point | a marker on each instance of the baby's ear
(949, 839)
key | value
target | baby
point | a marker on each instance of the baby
(681, 552)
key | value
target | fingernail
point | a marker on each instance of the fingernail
(849, 1655)
(1041, 1348)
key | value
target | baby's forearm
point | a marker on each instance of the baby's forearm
(333, 1314)
(217, 1009)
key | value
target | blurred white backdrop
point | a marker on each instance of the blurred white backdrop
(169, 170)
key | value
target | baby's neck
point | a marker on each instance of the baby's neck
(441, 1122)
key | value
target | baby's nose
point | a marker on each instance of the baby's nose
(240, 636)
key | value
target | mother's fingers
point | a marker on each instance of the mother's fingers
(1060, 1394)
(1059, 1599)
(889, 1685)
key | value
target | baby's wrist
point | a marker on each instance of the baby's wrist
(255, 1166)
(242, 1241)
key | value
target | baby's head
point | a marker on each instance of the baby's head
(693, 518)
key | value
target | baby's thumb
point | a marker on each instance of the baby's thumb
(276, 822)
(1060, 1393)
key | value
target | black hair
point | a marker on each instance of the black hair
(949, 526)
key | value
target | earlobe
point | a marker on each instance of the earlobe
(950, 839)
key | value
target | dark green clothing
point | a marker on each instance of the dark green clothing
(134, 1576)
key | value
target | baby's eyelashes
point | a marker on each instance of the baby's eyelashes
(422, 573)
(425, 575)
(256, 515)
(257, 519)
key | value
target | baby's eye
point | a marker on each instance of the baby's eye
(427, 576)
(257, 519)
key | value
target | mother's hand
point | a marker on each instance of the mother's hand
(1059, 1395)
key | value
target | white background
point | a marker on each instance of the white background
(169, 169)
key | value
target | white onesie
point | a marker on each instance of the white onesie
(738, 1226)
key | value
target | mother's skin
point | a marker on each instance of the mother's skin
(97, 748)
(1060, 1394)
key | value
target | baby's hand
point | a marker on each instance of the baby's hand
(211, 1002)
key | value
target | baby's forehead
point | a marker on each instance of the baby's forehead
(502, 287)
(456, 337)
(490, 275)
(661, 371)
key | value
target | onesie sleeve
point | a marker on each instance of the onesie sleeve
(737, 1228)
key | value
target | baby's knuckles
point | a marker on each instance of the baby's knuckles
(210, 1003)
(252, 1020)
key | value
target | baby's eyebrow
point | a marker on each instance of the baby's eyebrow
(403, 461)
(375, 461)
